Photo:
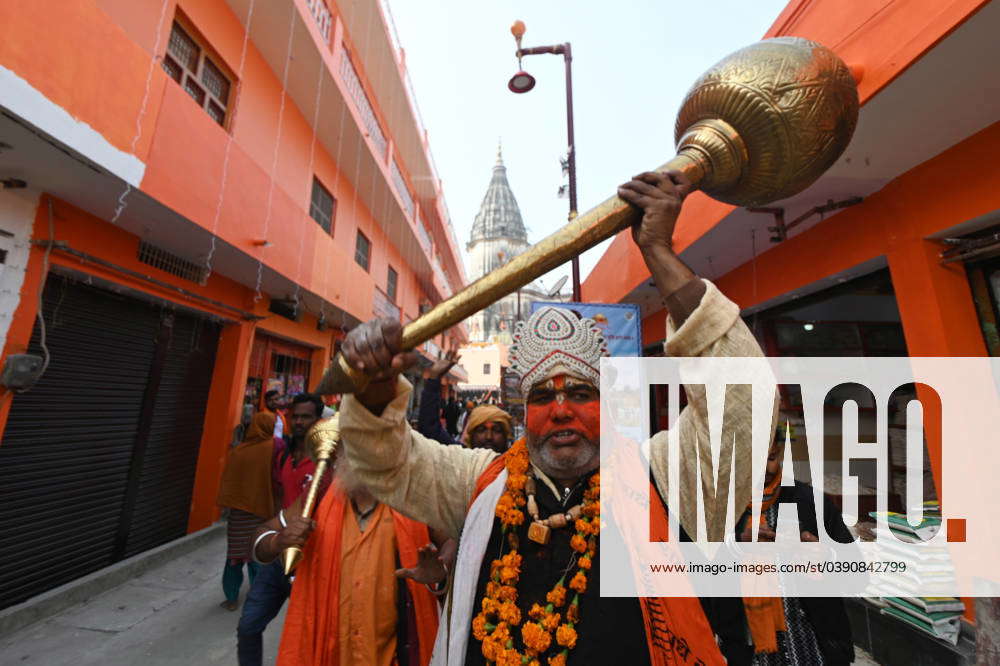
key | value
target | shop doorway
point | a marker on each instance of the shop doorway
(857, 318)
(276, 365)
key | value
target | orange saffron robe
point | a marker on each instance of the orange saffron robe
(368, 590)
(319, 612)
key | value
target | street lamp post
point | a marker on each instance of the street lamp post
(522, 82)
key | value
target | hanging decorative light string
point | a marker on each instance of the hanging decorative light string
(277, 147)
(229, 142)
(122, 203)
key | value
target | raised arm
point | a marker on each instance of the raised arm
(701, 322)
(429, 482)
(429, 414)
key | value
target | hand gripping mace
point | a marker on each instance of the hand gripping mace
(761, 125)
(321, 442)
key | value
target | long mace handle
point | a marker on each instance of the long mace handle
(581, 234)
(759, 126)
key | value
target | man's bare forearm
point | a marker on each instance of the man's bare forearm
(679, 287)
(265, 549)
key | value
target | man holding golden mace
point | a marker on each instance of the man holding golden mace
(761, 125)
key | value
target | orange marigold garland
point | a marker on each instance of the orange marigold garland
(499, 615)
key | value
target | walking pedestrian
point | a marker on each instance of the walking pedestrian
(247, 492)
(293, 472)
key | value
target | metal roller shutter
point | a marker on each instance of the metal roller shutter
(71, 483)
(165, 482)
(64, 460)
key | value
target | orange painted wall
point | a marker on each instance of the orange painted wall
(105, 88)
(885, 36)
(88, 234)
(901, 214)
(99, 66)
(184, 149)
(222, 414)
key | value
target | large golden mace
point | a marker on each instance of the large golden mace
(761, 125)
(321, 443)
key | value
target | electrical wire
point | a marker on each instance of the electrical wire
(42, 333)
(312, 163)
(277, 145)
(229, 142)
(122, 203)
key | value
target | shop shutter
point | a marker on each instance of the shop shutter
(166, 478)
(65, 455)
(98, 459)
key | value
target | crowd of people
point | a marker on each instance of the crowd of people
(454, 542)
(398, 567)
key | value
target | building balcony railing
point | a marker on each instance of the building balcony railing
(361, 102)
(442, 279)
(323, 17)
(366, 104)
(383, 307)
(425, 236)
(402, 190)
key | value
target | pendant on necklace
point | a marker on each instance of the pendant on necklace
(539, 533)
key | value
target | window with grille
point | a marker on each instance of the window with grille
(157, 257)
(322, 206)
(362, 251)
(188, 63)
(486, 368)
(390, 284)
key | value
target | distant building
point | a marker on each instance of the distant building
(498, 235)
(483, 361)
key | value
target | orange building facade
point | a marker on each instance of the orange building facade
(199, 198)
(895, 250)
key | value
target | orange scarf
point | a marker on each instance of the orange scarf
(246, 480)
(766, 615)
(312, 623)
(676, 627)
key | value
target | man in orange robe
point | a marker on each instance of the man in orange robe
(361, 593)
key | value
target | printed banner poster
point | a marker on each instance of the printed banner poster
(619, 321)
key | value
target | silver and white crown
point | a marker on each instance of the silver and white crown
(554, 337)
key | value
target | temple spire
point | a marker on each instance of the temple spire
(499, 215)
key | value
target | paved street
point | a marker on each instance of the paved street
(169, 615)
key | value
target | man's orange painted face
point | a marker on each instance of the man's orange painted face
(563, 422)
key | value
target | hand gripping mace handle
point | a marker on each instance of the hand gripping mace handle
(321, 442)
(761, 125)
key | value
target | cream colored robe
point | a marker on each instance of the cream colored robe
(433, 483)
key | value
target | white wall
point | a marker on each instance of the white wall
(17, 213)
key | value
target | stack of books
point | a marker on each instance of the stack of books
(928, 571)
(928, 527)
(928, 566)
(937, 616)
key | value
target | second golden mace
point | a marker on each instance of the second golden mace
(321, 443)
(761, 125)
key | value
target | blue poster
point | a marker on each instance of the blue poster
(620, 323)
